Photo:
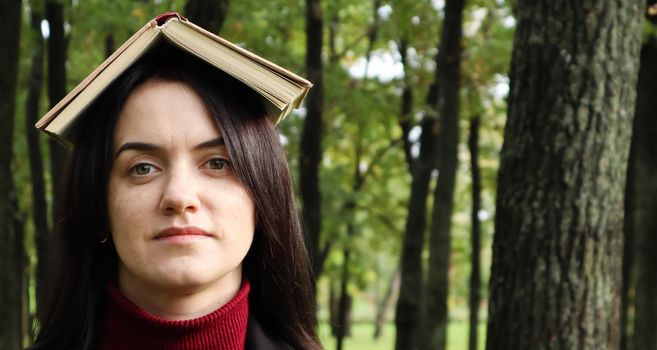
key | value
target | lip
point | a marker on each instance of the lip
(181, 234)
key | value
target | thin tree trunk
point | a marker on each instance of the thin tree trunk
(333, 306)
(39, 204)
(407, 311)
(407, 317)
(448, 68)
(56, 91)
(644, 201)
(557, 250)
(10, 280)
(475, 275)
(384, 304)
(109, 44)
(209, 14)
(372, 34)
(342, 327)
(27, 330)
(408, 320)
(21, 272)
(350, 210)
(333, 25)
(310, 154)
(405, 113)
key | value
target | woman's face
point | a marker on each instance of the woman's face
(180, 219)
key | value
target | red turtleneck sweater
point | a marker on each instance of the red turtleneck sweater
(129, 327)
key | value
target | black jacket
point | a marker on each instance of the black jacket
(259, 338)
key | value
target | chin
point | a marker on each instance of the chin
(194, 277)
(185, 281)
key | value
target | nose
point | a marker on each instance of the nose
(180, 194)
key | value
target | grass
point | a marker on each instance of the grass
(361, 337)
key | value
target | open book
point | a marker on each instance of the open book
(281, 90)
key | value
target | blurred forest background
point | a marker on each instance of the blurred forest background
(399, 160)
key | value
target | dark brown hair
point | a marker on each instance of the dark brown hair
(71, 311)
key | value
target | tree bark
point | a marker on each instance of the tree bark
(39, 204)
(474, 298)
(448, 68)
(556, 274)
(407, 316)
(209, 14)
(644, 201)
(56, 91)
(10, 263)
(310, 154)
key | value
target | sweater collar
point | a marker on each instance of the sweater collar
(127, 326)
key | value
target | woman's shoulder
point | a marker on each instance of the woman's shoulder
(259, 337)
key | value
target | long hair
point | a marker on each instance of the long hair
(71, 310)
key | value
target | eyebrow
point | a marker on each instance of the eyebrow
(219, 141)
(136, 146)
(143, 146)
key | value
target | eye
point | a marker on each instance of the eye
(217, 163)
(142, 169)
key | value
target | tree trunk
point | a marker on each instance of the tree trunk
(56, 91)
(556, 274)
(372, 34)
(407, 317)
(10, 280)
(475, 275)
(407, 311)
(448, 68)
(109, 44)
(405, 116)
(644, 201)
(209, 14)
(310, 154)
(384, 304)
(333, 305)
(342, 326)
(22, 267)
(39, 204)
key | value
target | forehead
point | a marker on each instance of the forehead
(160, 112)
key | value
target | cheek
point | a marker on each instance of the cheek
(249, 220)
(243, 207)
(128, 209)
(234, 212)
(129, 223)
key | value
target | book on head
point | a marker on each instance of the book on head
(280, 89)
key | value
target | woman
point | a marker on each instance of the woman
(179, 229)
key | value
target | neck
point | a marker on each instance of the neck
(173, 302)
